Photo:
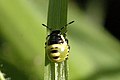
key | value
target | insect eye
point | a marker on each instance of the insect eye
(56, 57)
(54, 51)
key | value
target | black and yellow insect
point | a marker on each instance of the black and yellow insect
(56, 46)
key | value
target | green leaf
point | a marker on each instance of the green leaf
(57, 18)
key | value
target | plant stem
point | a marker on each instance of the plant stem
(57, 13)
(57, 18)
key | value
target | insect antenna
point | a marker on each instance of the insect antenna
(67, 24)
(46, 26)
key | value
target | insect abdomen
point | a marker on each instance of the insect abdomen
(55, 54)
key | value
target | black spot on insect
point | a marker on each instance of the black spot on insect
(54, 51)
(66, 40)
(68, 47)
(51, 48)
(56, 47)
(45, 43)
(66, 58)
(56, 57)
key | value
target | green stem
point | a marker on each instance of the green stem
(57, 18)
(57, 13)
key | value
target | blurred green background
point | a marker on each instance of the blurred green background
(95, 53)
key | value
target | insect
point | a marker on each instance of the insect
(56, 45)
